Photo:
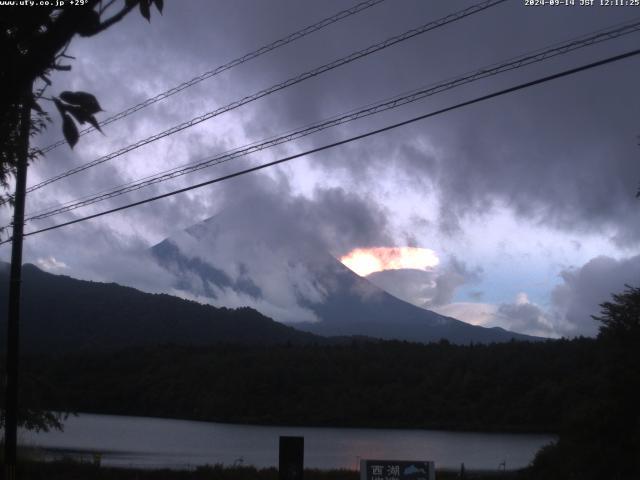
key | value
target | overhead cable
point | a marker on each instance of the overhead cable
(229, 65)
(521, 86)
(476, 8)
(494, 69)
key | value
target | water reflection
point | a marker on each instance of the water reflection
(163, 443)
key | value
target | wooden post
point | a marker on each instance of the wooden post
(291, 458)
(15, 283)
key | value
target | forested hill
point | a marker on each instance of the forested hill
(60, 314)
(501, 387)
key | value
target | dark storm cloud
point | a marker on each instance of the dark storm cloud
(540, 152)
(332, 221)
(564, 155)
(346, 221)
(570, 169)
(279, 241)
(135, 60)
(541, 161)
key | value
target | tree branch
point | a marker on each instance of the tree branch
(45, 47)
(106, 7)
(114, 19)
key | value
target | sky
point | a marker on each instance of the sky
(524, 204)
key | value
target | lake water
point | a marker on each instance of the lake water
(159, 443)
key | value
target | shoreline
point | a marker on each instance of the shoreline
(275, 424)
(252, 447)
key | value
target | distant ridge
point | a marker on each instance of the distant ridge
(61, 314)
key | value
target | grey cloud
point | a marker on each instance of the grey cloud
(515, 150)
(94, 252)
(564, 154)
(213, 39)
(456, 274)
(526, 318)
(414, 286)
(346, 221)
(582, 183)
(280, 241)
(332, 218)
(51, 264)
(585, 288)
(574, 301)
(427, 288)
(476, 295)
(331, 221)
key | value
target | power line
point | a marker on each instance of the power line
(521, 86)
(476, 8)
(291, 81)
(227, 66)
(514, 63)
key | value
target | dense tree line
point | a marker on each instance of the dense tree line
(63, 314)
(503, 387)
(601, 436)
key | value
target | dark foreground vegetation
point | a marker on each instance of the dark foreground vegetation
(587, 390)
(69, 470)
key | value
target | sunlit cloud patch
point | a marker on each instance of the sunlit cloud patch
(365, 261)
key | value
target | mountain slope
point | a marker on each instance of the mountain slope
(313, 290)
(60, 313)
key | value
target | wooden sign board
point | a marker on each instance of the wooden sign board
(397, 470)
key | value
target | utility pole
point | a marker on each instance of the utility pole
(15, 283)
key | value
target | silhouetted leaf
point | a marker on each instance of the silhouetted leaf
(131, 3)
(69, 130)
(144, 9)
(159, 5)
(94, 123)
(83, 116)
(85, 100)
(78, 113)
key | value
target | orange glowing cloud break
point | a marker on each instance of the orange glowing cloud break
(364, 261)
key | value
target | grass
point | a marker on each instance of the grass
(68, 469)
